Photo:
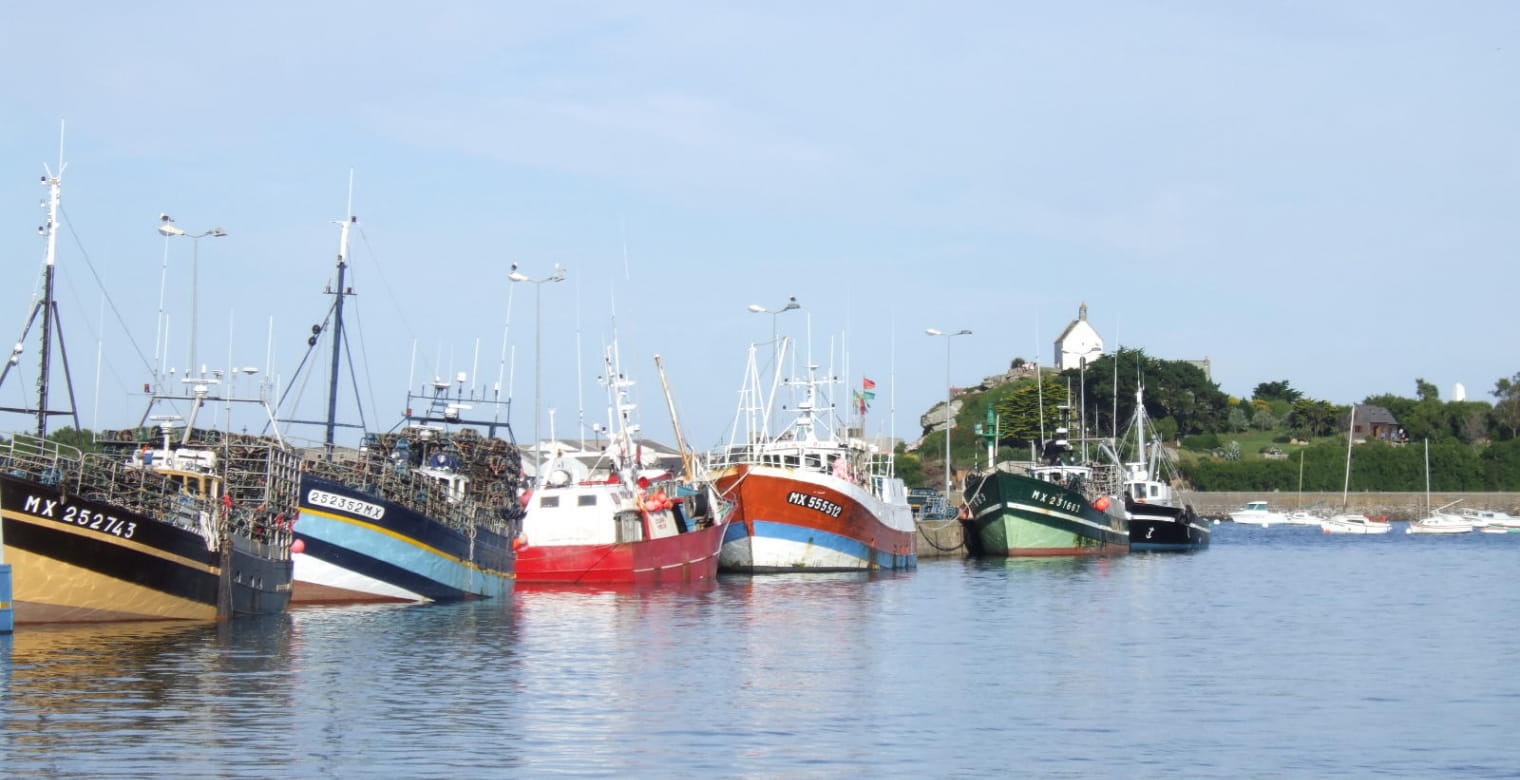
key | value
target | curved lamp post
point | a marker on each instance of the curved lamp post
(949, 418)
(791, 304)
(538, 339)
(758, 309)
(167, 229)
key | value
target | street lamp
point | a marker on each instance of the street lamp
(538, 340)
(167, 229)
(791, 304)
(949, 418)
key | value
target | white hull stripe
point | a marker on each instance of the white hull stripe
(1048, 512)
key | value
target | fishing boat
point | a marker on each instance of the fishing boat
(1047, 507)
(1156, 520)
(165, 521)
(806, 498)
(617, 521)
(1349, 522)
(428, 512)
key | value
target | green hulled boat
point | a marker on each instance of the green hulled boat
(1049, 510)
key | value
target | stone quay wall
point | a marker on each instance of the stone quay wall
(1396, 506)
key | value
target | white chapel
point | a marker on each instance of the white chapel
(1079, 341)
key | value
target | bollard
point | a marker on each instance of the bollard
(7, 613)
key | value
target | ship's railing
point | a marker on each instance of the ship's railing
(387, 468)
(48, 462)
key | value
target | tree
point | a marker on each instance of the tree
(1263, 420)
(1315, 418)
(80, 440)
(1426, 391)
(1506, 412)
(1031, 408)
(1238, 421)
(909, 468)
(1276, 391)
(1173, 388)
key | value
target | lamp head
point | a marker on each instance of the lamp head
(757, 308)
(934, 332)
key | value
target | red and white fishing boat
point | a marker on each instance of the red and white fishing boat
(807, 499)
(617, 522)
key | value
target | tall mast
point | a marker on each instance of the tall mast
(337, 341)
(48, 308)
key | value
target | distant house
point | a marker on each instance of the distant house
(1374, 422)
(1080, 341)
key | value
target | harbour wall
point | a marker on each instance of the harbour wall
(942, 538)
(1397, 506)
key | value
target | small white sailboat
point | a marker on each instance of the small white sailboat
(1302, 516)
(1346, 522)
(1437, 521)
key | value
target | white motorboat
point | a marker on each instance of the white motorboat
(1257, 513)
(1491, 521)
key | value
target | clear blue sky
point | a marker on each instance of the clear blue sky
(1319, 192)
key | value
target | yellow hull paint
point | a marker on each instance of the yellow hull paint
(49, 591)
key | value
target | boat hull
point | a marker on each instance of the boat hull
(792, 520)
(685, 557)
(1355, 525)
(1158, 527)
(76, 560)
(355, 547)
(1015, 515)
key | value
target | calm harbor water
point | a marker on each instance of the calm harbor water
(1279, 652)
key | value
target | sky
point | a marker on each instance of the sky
(1319, 192)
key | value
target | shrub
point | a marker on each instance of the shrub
(1201, 442)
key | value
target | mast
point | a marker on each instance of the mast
(50, 310)
(686, 464)
(1350, 430)
(47, 307)
(337, 342)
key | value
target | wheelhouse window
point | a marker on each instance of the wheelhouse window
(586, 500)
(548, 502)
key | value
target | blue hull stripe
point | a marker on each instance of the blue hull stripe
(841, 544)
(391, 558)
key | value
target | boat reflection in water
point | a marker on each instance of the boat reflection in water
(119, 686)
